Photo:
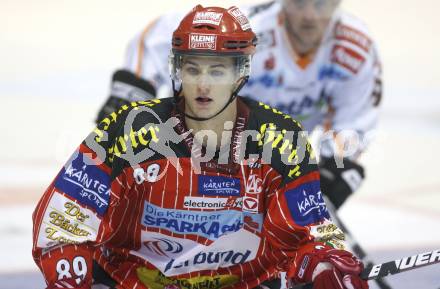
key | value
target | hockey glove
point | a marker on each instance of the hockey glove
(339, 183)
(328, 268)
(126, 88)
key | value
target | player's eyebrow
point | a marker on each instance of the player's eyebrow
(190, 62)
(211, 66)
(217, 65)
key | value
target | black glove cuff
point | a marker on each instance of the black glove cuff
(336, 168)
(338, 183)
(127, 86)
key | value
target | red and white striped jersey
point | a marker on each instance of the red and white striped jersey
(139, 198)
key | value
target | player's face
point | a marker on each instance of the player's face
(307, 20)
(207, 84)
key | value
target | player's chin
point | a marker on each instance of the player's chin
(202, 110)
(309, 36)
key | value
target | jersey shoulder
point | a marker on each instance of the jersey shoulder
(351, 46)
(290, 149)
(132, 118)
(129, 132)
(350, 31)
(152, 110)
(262, 113)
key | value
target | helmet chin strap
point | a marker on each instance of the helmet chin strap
(231, 99)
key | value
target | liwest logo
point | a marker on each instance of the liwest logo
(162, 246)
(218, 186)
(206, 224)
(306, 204)
(179, 255)
(86, 183)
(208, 259)
(212, 203)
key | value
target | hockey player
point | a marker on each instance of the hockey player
(314, 62)
(153, 199)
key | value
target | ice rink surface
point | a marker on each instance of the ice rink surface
(56, 61)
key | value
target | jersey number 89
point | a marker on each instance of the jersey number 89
(79, 266)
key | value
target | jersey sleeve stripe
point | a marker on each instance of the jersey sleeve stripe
(141, 47)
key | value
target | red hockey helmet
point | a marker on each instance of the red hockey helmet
(214, 30)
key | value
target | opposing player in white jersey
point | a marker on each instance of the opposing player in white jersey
(313, 62)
